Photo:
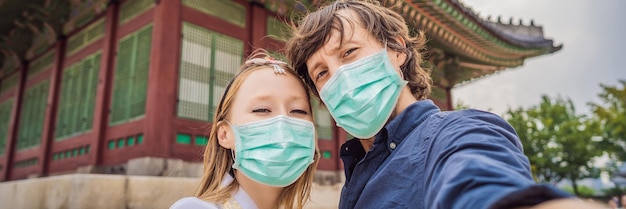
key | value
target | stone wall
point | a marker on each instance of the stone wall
(146, 182)
(96, 191)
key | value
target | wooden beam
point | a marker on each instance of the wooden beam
(105, 82)
(51, 108)
(13, 127)
(163, 79)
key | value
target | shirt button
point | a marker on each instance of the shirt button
(392, 145)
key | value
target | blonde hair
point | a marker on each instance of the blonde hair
(218, 160)
(386, 25)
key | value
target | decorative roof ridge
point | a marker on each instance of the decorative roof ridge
(507, 32)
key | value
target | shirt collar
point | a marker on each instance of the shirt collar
(399, 128)
(243, 199)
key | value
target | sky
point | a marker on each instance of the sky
(593, 34)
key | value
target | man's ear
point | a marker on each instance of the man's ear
(400, 57)
(225, 135)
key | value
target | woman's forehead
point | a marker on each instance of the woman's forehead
(266, 78)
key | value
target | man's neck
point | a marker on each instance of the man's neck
(405, 99)
(367, 143)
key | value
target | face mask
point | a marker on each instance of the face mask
(274, 151)
(361, 95)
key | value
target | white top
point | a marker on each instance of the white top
(239, 200)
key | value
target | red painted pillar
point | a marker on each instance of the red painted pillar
(257, 26)
(103, 91)
(163, 79)
(51, 107)
(14, 124)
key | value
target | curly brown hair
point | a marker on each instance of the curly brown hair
(314, 30)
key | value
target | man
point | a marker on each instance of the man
(359, 59)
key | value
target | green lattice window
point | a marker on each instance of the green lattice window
(277, 29)
(133, 8)
(124, 142)
(201, 140)
(26, 163)
(227, 10)
(8, 83)
(41, 63)
(323, 121)
(208, 61)
(6, 108)
(131, 76)
(32, 115)
(74, 152)
(130, 141)
(326, 154)
(85, 37)
(183, 138)
(78, 96)
(121, 143)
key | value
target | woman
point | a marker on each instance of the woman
(262, 150)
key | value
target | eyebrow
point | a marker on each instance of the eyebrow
(343, 43)
(312, 69)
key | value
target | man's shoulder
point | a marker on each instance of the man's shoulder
(470, 117)
(465, 113)
(193, 203)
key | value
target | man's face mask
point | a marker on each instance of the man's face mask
(361, 95)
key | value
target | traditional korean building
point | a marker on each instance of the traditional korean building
(92, 84)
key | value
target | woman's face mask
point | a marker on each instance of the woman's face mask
(275, 151)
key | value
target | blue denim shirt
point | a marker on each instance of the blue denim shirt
(425, 158)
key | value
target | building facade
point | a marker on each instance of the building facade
(101, 82)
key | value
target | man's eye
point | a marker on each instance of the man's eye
(261, 110)
(349, 52)
(320, 74)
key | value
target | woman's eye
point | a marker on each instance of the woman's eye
(297, 111)
(261, 110)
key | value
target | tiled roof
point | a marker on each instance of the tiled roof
(511, 33)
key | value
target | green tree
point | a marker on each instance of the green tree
(612, 118)
(460, 105)
(584, 191)
(559, 143)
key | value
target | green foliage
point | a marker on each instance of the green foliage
(615, 191)
(559, 144)
(460, 105)
(612, 117)
(583, 191)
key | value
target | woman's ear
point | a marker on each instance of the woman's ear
(225, 135)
